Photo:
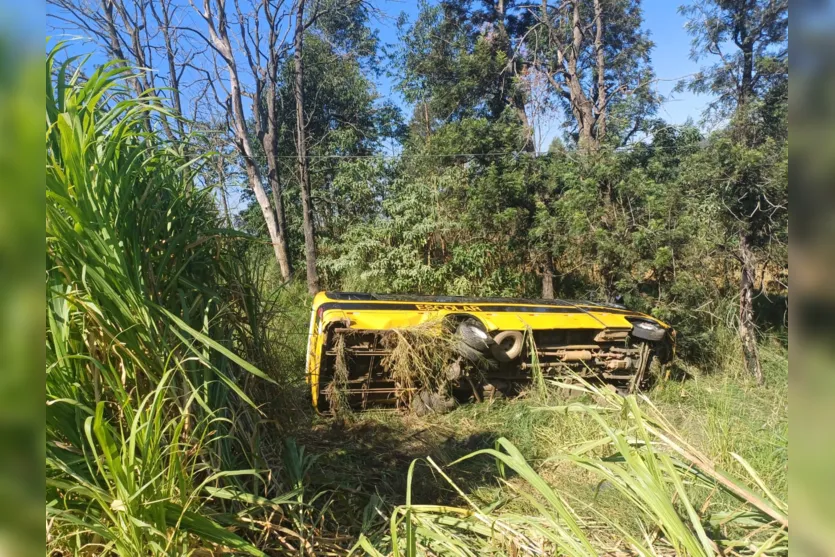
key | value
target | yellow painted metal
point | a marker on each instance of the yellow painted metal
(382, 315)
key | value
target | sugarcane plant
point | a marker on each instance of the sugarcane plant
(143, 372)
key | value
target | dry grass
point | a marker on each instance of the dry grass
(419, 358)
(418, 361)
(335, 391)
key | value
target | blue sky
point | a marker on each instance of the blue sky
(670, 58)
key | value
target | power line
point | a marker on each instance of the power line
(567, 154)
(392, 156)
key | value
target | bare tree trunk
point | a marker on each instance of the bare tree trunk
(301, 152)
(123, 27)
(163, 18)
(115, 46)
(747, 329)
(548, 273)
(264, 113)
(221, 174)
(601, 100)
(566, 68)
(270, 138)
(517, 97)
(282, 251)
(747, 84)
(583, 107)
(220, 42)
(427, 123)
(133, 26)
(116, 50)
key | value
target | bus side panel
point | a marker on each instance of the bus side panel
(311, 363)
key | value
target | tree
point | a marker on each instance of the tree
(159, 36)
(136, 32)
(264, 34)
(265, 62)
(749, 41)
(215, 16)
(301, 152)
(462, 69)
(321, 9)
(345, 124)
(457, 61)
(595, 55)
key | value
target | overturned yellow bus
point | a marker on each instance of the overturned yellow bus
(496, 343)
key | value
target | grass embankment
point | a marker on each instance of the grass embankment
(366, 462)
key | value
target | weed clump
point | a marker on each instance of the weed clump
(422, 361)
(335, 393)
(418, 359)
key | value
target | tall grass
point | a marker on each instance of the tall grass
(147, 416)
(674, 498)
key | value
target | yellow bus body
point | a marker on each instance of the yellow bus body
(383, 312)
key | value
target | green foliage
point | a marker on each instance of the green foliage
(165, 328)
(626, 46)
(641, 223)
(145, 321)
(346, 118)
(466, 208)
(447, 223)
(657, 222)
(455, 61)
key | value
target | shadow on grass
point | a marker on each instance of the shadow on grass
(371, 455)
(365, 457)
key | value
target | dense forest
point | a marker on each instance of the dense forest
(211, 165)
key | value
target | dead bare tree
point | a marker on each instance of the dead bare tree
(126, 34)
(301, 152)
(100, 23)
(214, 15)
(236, 62)
(264, 63)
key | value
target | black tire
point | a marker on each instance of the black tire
(645, 330)
(472, 334)
(469, 353)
